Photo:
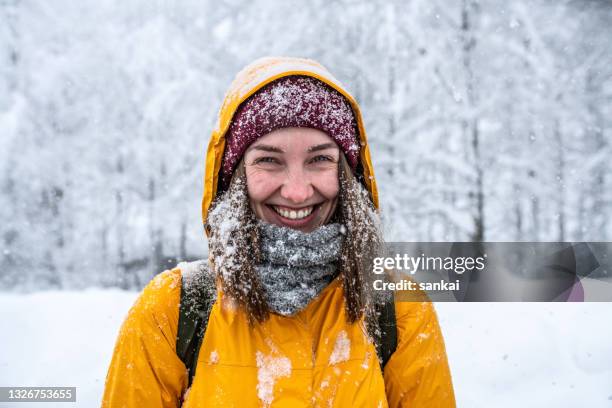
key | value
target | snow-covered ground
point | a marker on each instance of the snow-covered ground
(501, 354)
(529, 354)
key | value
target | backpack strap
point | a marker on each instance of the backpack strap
(198, 294)
(387, 343)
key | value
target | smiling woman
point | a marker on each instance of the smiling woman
(290, 317)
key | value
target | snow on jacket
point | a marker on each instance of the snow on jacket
(313, 358)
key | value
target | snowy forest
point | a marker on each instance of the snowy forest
(488, 121)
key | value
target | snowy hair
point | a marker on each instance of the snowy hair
(234, 249)
(363, 242)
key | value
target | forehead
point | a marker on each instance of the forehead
(294, 138)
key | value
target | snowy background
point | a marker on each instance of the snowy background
(487, 121)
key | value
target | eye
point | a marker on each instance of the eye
(322, 158)
(266, 159)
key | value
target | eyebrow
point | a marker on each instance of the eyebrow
(267, 148)
(321, 147)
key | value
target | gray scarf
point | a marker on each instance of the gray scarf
(296, 266)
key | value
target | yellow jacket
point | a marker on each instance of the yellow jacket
(314, 358)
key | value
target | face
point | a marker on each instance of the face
(292, 177)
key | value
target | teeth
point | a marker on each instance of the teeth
(293, 214)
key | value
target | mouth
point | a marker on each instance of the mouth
(302, 218)
(293, 213)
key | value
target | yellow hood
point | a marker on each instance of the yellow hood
(250, 80)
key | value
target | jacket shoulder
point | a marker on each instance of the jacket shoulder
(418, 373)
(162, 293)
(144, 369)
(157, 306)
(414, 317)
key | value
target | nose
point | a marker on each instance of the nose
(297, 187)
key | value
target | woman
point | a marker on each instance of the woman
(289, 209)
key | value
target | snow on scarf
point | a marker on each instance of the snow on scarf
(297, 265)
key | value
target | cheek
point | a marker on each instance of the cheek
(259, 186)
(328, 184)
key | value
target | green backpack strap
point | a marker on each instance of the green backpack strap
(198, 294)
(387, 343)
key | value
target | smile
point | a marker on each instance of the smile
(292, 213)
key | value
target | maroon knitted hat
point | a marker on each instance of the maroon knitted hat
(291, 101)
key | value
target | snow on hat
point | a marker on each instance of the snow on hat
(291, 101)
